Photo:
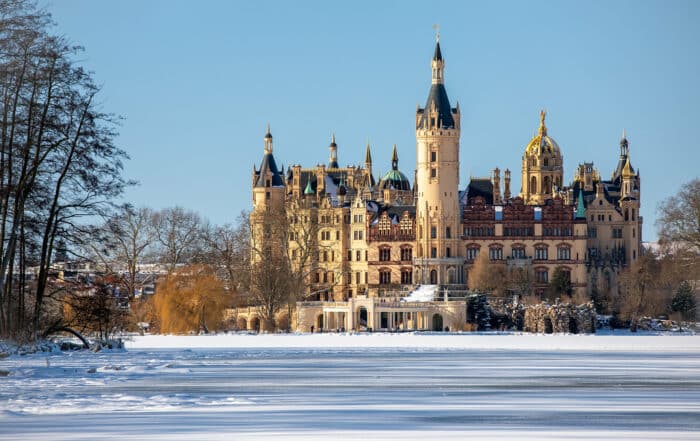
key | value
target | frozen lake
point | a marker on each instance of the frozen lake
(360, 387)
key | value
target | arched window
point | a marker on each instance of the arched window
(563, 252)
(541, 252)
(533, 185)
(384, 254)
(472, 252)
(547, 185)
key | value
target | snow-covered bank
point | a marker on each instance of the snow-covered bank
(625, 341)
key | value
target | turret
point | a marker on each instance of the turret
(506, 188)
(333, 147)
(496, 186)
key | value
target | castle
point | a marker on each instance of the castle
(374, 238)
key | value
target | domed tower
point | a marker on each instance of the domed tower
(437, 183)
(395, 186)
(543, 167)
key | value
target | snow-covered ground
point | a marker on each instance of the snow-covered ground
(370, 386)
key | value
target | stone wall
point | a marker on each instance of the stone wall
(561, 317)
(543, 317)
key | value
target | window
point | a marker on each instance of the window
(518, 231)
(448, 233)
(592, 232)
(518, 253)
(433, 156)
(542, 276)
(472, 253)
(349, 255)
(358, 255)
(406, 277)
(337, 235)
(267, 195)
(317, 277)
(325, 277)
(541, 253)
(496, 253)
(448, 252)
(433, 173)
(357, 278)
(357, 234)
(433, 232)
(406, 254)
(617, 233)
(564, 253)
(384, 277)
(479, 231)
(433, 252)
(294, 254)
(384, 254)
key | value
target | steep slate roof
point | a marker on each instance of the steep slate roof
(478, 187)
(268, 164)
(438, 98)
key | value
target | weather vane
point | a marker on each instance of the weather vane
(436, 27)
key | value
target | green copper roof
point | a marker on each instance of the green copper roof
(580, 210)
(308, 189)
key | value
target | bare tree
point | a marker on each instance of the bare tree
(178, 232)
(227, 248)
(486, 276)
(58, 163)
(679, 217)
(121, 243)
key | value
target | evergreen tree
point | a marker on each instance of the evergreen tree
(684, 301)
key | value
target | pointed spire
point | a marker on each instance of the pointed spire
(438, 54)
(333, 147)
(308, 190)
(624, 144)
(580, 209)
(368, 155)
(438, 64)
(394, 159)
(268, 140)
(627, 171)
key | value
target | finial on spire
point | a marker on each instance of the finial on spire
(436, 28)
(394, 159)
(333, 138)
(624, 134)
(268, 140)
(543, 128)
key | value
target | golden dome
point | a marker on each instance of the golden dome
(541, 143)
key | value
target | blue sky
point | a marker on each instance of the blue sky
(198, 81)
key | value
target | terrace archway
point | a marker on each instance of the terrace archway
(437, 322)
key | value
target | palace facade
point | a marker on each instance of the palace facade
(374, 237)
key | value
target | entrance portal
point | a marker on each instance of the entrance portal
(437, 323)
(362, 317)
(433, 277)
